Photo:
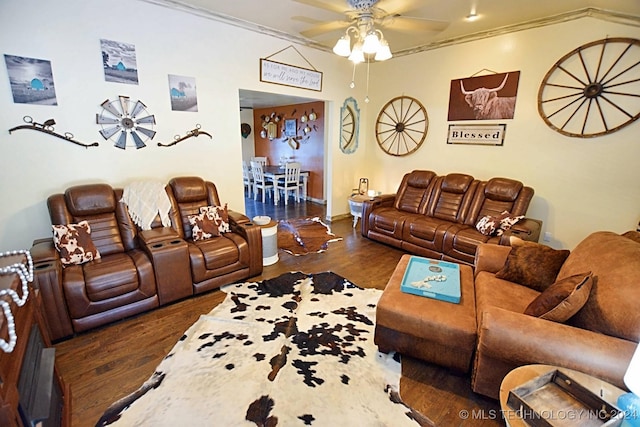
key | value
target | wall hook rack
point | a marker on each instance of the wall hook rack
(193, 132)
(47, 127)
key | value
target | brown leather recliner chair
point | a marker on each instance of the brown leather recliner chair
(217, 261)
(119, 284)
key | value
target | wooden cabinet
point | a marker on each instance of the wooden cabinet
(31, 390)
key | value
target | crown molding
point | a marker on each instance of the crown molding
(589, 12)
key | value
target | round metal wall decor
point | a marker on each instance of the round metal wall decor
(593, 90)
(401, 126)
(123, 117)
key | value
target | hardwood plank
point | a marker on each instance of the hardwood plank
(108, 363)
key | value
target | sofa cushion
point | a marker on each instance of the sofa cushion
(563, 299)
(532, 264)
(612, 308)
(73, 242)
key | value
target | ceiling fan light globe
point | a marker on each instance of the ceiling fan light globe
(343, 46)
(371, 43)
(357, 55)
(383, 53)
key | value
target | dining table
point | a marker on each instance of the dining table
(275, 172)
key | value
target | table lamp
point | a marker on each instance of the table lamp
(629, 403)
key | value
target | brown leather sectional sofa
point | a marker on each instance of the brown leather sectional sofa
(138, 269)
(436, 216)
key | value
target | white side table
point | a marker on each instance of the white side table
(269, 243)
(355, 206)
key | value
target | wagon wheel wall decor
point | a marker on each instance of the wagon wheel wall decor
(593, 90)
(401, 126)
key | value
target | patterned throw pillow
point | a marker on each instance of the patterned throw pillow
(73, 242)
(563, 299)
(203, 227)
(497, 225)
(218, 214)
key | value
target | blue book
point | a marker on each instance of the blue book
(432, 278)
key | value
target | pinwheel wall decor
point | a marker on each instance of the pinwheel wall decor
(123, 117)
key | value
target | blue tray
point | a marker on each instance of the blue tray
(420, 268)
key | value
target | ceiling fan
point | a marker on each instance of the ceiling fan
(388, 14)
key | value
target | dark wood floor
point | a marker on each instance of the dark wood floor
(106, 364)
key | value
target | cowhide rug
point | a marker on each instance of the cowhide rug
(294, 350)
(304, 236)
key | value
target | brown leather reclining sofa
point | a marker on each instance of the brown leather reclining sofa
(138, 270)
(436, 216)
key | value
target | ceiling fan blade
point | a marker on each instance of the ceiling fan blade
(322, 5)
(413, 24)
(325, 27)
(399, 6)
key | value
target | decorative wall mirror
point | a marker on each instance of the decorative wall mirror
(349, 126)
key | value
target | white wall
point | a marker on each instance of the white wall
(220, 57)
(581, 184)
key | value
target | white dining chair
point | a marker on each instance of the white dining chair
(247, 178)
(290, 182)
(264, 161)
(259, 181)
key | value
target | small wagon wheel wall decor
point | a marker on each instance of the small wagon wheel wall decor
(401, 126)
(593, 90)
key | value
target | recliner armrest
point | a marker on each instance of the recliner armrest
(47, 279)
(238, 217)
(526, 229)
(519, 339)
(369, 206)
(490, 257)
(253, 235)
(43, 250)
(156, 235)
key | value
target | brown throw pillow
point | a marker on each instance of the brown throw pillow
(532, 264)
(563, 299)
(73, 242)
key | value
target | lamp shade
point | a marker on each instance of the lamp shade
(632, 376)
(384, 52)
(371, 43)
(343, 46)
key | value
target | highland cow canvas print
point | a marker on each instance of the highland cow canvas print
(491, 97)
(119, 62)
(31, 80)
